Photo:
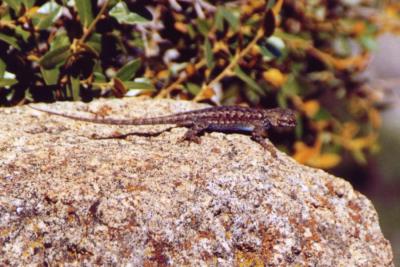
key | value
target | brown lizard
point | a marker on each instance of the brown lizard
(221, 119)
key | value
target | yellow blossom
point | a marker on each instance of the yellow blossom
(313, 155)
(277, 7)
(375, 118)
(274, 77)
(311, 108)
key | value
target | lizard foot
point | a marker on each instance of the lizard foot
(267, 146)
(188, 137)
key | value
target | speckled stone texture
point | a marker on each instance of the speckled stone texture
(66, 197)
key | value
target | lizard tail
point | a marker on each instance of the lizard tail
(169, 119)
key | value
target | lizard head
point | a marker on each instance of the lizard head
(281, 117)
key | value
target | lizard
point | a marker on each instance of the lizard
(220, 118)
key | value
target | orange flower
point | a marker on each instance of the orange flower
(274, 77)
(313, 155)
(311, 108)
(277, 7)
(180, 26)
(356, 145)
(375, 118)
(359, 28)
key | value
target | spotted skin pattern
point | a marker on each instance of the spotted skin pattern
(221, 119)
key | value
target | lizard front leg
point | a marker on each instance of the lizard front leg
(192, 134)
(259, 134)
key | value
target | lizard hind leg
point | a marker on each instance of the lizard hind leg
(259, 134)
(194, 132)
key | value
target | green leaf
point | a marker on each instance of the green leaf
(231, 94)
(139, 86)
(135, 88)
(252, 96)
(219, 20)
(291, 37)
(249, 81)
(231, 18)
(267, 55)
(54, 57)
(359, 156)
(85, 47)
(99, 77)
(94, 43)
(299, 130)
(203, 26)
(193, 88)
(84, 8)
(281, 98)
(291, 87)
(101, 85)
(28, 3)
(122, 14)
(11, 40)
(4, 82)
(270, 4)
(369, 42)
(61, 39)
(191, 31)
(75, 84)
(209, 54)
(322, 114)
(14, 4)
(129, 70)
(2, 68)
(342, 46)
(47, 19)
(23, 33)
(97, 67)
(50, 76)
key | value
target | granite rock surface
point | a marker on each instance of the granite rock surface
(69, 196)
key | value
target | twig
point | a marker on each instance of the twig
(164, 92)
(238, 56)
(89, 30)
(205, 5)
(199, 10)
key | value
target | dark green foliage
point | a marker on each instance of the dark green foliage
(295, 54)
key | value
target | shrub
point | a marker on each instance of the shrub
(306, 55)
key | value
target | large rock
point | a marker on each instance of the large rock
(66, 197)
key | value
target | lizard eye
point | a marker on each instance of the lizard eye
(287, 121)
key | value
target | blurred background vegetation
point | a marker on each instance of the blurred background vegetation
(308, 55)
